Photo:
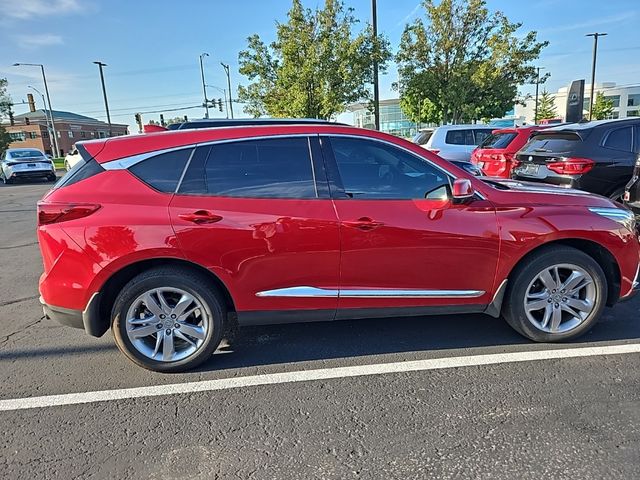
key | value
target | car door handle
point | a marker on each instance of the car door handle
(200, 216)
(364, 223)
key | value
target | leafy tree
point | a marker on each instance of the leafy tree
(602, 107)
(546, 107)
(5, 109)
(316, 66)
(167, 122)
(466, 60)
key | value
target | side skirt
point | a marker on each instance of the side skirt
(304, 316)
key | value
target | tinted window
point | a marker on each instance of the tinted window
(271, 168)
(376, 170)
(421, 138)
(497, 140)
(80, 171)
(551, 143)
(460, 137)
(163, 171)
(480, 136)
(619, 139)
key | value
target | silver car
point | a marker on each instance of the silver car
(27, 163)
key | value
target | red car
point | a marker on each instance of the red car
(495, 156)
(170, 238)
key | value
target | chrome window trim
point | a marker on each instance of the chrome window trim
(315, 292)
(449, 175)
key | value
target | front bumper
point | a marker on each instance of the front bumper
(634, 288)
(88, 319)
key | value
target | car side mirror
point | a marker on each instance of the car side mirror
(462, 189)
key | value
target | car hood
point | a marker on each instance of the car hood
(532, 193)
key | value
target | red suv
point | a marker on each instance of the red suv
(495, 156)
(169, 238)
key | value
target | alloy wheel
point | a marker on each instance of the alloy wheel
(560, 298)
(167, 324)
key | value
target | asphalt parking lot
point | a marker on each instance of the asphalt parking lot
(445, 397)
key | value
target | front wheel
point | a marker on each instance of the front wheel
(557, 295)
(168, 319)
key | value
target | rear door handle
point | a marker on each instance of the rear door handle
(200, 217)
(363, 223)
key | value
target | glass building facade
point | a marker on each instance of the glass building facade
(392, 120)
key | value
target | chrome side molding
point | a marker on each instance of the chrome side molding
(307, 291)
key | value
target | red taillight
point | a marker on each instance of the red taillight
(571, 166)
(63, 212)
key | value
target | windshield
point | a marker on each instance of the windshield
(497, 140)
(24, 154)
(421, 138)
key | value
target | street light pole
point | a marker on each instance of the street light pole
(47, 115)
(204, 88)
(376, 89)
(593, 68)
(46, 89)
(104, 94)
(226, 70)
(535, 115)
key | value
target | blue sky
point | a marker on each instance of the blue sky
(152, 47)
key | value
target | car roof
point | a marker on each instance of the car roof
(23, 149)
(465, 127)
(593, 124)
(238, 122)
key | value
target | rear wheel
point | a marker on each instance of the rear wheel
(5, 180)
(168, 319)
(557, 295)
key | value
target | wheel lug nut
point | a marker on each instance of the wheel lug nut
(162, 317)
(557, 305)
(177, 325)
(173, 316)
(564, 299)
(168, 331)
(549, 300)
(158, 326)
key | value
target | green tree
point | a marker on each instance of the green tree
(546, 107)
(602, 107)
(5, 109)
(466, 60)
(316, 66)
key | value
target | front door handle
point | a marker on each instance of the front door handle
(200, 217)
(363, 223)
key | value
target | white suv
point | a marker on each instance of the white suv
(453, 142)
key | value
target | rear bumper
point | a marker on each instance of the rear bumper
(88, 319)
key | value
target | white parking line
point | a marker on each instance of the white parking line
(311, 375)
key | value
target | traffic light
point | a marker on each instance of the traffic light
(220, 104)
(186, 119)
(162, 120)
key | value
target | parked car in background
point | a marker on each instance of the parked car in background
(455, 142)
(597, 156)
(495, 156)
(71, 158)
(26, 163)
(169, 238)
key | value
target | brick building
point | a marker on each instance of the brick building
(29, 130)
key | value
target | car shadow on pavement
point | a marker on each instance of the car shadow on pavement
(281, 344)
(85, 349)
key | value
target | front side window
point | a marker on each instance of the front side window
(619, 139)
(266, 168)
(376, 170)
(163, 171)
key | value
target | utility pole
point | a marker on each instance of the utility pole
(226, 70)
(47, 115)
(593, 68)
(46, 89)
(376, 89)
(104, 94)
(535, 115)
(204, 88)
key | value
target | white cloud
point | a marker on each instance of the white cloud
(596, 22)
(409, 16)
(38, 40)
(26, 9)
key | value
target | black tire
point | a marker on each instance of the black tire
(513, 310)
(6, 181)
(196, 285)
(52, 178)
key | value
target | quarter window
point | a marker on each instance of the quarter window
(460, 137)
(163, 171)
(619, 139)
(376, 170)
(269, 168)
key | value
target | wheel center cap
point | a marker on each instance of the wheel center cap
(167, 323)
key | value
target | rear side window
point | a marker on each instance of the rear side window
(619, 139)
(163, 171)
(497, 140)
(480, 136)
(85, 168)
(269, 168)
(460, 137)
(551, 143)
(421, 138)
